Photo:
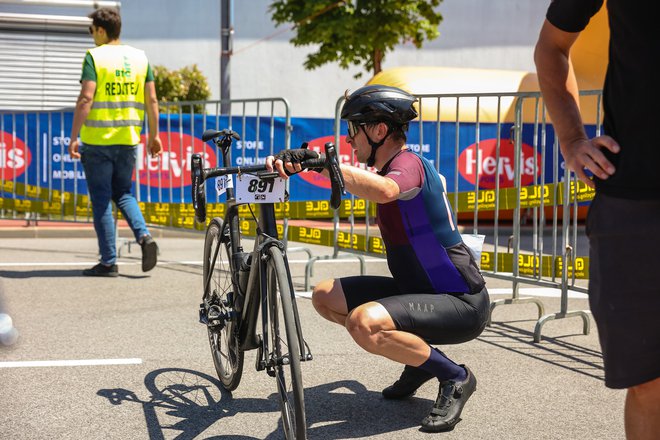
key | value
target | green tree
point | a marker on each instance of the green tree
(357, 32)
(185, 84)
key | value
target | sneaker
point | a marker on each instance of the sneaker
(446, 411)
(149, 253)
(101, 270)
(411, 379)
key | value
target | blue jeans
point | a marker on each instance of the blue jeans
(109, 172)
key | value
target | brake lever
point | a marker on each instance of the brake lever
(198, 187)
(336, 176)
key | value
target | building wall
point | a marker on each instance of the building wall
(474, 33)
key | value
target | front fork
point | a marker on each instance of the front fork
(266, 356)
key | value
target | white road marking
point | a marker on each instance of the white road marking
(533, 291)
(539, 291)
(70, 363)
(164, 263)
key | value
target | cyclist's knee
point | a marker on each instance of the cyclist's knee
(365, 324)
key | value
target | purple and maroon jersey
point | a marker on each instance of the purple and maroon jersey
(418, 228)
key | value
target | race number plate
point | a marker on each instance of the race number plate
(222, 183)
(251, 189)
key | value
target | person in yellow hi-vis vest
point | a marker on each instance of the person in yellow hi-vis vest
(117, 88)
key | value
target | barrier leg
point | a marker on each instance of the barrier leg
(310, 264)
(308, 271)
(504, 301)
(515, 299)
(584, 314)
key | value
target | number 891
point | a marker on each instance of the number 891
(257, 185)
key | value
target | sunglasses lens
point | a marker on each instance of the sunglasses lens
(91, 31)
(352, 129)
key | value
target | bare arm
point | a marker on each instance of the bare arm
(368, 185)
(561, 96)
(83, 106)
(151, 104)
(359, 182)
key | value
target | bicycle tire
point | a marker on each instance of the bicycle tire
(223, 337)
(288, 374)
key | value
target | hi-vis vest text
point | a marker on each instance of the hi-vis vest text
(118, 109)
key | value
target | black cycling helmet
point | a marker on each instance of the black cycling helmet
(378, 103)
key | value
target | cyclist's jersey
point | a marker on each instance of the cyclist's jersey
(425, 252)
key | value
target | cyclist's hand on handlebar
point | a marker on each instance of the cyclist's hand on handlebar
(287, 162)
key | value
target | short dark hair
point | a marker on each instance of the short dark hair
(397, 132)
(109, 19)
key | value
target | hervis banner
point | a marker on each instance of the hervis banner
(34, 151)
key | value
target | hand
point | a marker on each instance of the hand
(73, 148)
(585, 154)
(155, 147)
(287, 162)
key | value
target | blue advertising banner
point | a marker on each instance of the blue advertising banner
(33, 150)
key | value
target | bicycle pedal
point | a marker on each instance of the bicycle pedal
(203, 319)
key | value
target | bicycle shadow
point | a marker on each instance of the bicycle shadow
(184, 403)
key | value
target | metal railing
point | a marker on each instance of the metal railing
(496, 151)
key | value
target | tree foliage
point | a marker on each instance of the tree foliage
(185, 84)
(357, 32)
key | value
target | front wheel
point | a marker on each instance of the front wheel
(219, 300)
(285, 347)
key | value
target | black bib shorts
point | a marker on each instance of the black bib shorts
(438, 318)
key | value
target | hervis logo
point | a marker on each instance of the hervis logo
(488, 167)
(318, 145)
(15, 157)
(173, 167)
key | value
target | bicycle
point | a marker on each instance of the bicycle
(238, 285)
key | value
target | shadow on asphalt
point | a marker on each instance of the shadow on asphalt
(554, 351)
(184, 403)
(50, 273)
(75, 252)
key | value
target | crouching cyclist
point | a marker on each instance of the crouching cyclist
(436, 294)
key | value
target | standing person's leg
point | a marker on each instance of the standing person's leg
(122, 182)
(97, 163)
(624, 296)
(642, 411)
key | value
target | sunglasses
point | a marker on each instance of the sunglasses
(354, 128)
(91, 30)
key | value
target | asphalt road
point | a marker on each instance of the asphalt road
(125, 358)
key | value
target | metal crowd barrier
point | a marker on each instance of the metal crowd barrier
(536, 210)
(157, 181)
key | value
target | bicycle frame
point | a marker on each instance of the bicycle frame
(255, 298)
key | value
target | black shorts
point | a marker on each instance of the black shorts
(624, 287)
(438, 318)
